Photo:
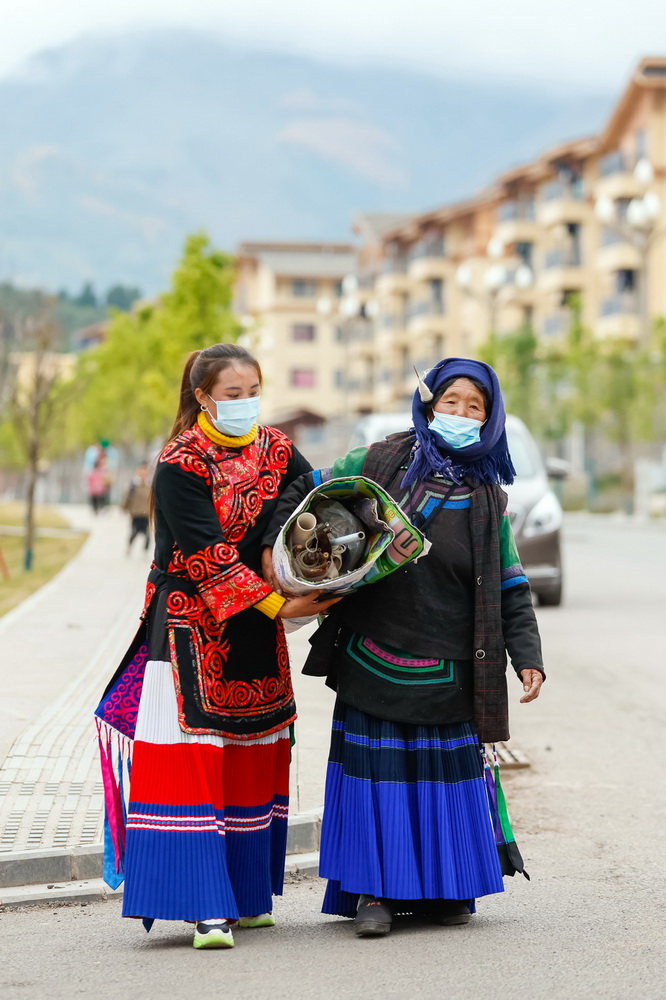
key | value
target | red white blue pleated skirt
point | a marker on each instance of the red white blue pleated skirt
(206, 829)
(406, 814)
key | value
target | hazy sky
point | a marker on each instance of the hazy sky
(562, 41)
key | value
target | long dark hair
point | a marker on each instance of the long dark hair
(201, 372)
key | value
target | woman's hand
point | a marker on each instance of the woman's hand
(267, 569)
(532, 681)
(305, 607)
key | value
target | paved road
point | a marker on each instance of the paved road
(590, 816)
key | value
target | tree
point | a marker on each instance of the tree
(122, 297)
(128, 386)
(514, 356)
(86, 297)
(36, 380)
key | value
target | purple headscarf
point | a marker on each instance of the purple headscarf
(487, 461)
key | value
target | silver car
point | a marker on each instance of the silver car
(535, 511)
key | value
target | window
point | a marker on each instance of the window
(337, 289)
(303, 378)
(626, 280)
(436, 290)
(641, 144)
(613, 163)
(524, 252)
(303, 331)
(303, 289)
(339, 378)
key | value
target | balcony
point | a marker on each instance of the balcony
(619, 316)
(516, 222)
(393, 279)
(427, 259)
(562, 202)
(562, 269)
(426, 316)
(616, 178)
(616, 253)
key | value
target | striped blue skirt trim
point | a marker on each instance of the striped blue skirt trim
(406, 813)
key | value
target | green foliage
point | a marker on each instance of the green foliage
(12, 455)
(122, 297)
(72, 318)
(613, 388)
(514, 357)
(86, 297)
(129, 385)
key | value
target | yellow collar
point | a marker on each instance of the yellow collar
(218, 438)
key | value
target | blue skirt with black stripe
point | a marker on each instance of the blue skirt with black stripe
(406, 813)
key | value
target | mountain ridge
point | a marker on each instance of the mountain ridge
(112, 150)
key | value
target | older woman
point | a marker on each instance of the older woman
(418, 661)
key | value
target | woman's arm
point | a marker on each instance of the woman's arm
(519, 624)
(226, 584)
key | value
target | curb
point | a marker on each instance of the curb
(95, 890)
(74, 873)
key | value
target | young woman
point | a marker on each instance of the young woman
(418, 661)
(204, 692)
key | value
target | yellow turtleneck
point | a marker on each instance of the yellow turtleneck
(224, 439)
(271, 604)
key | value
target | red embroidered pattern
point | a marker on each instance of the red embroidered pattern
(150, 590)
(236, 698)
(239, 492)
(240, 484)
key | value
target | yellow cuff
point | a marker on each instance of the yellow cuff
(271, 604)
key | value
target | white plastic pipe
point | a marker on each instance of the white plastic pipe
(303, 528)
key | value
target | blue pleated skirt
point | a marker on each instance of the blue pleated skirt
(406, 814)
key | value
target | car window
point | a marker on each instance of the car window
(367, 432)
(523, 453)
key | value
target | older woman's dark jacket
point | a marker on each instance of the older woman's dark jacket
(504, 618)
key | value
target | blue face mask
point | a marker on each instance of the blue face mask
(235, 417)
(457, 432)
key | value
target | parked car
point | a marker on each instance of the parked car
(535, 511)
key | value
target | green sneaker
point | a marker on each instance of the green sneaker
(213, 934)
(262, 920)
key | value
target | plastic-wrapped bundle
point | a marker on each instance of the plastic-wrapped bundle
(389, 539)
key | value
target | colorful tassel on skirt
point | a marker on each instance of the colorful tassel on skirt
(406, 814)
(205, 831)
(510, 857)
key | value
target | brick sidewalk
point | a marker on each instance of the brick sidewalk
(66, 640)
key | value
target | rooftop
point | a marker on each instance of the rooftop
(302, 260)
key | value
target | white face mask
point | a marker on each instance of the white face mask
(235, 417)
(457, 432)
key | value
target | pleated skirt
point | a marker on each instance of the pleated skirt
(206, 828)
(406, 814)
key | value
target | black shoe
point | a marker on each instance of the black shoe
(373, 919)
(449, 912)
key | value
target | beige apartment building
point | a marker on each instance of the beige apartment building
(587, 217)
(289, 296)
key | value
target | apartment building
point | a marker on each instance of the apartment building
(289, 297)
(588, 217)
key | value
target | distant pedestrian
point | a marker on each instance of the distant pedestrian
(99, 484)
(204, 692)
(137, 505)
(414, 815)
